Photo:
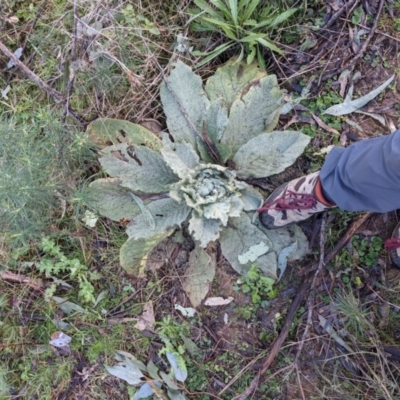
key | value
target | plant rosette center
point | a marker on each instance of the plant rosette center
(212, 191)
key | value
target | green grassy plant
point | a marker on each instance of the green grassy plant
(247, 26)
(35, 173)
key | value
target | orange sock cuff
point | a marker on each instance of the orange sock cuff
(319, 194)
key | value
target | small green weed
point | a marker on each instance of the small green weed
(367, 250)
(259, 286)
(56, 262)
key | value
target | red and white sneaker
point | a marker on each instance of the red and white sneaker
(393, 246)
(293, 202)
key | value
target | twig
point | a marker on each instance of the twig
(353, 228)
(112, 312)
(311, 296)
(42, 84)
(71, 72)
(363, 47)
(337, 14)
(355, 225)
(36, 284)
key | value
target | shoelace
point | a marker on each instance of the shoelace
(291, 201)
(392, 244)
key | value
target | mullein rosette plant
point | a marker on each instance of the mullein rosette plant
(219, 135)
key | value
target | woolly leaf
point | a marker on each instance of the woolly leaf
(105, 130)
(215, 122)
(111, 200)
(204, 230)
(134, 253)
(251, 114)
(231, 80)
(146, 214)
(184, 102)
(166, 213)
(251, 198)
(237, 239)
(284, 237)
(180, 157)
(126, 370)
(269, 153)
(253, 253)
(140, 169)
(144, 392)
(199, 275)
(178, 366)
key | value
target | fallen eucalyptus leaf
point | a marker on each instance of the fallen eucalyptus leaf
(68, 307)
(328, 328)
(376, 116)
(350, 106)
(18, 54)
(186, 312)
(60, 339)
(217, 301)
(283, 256)
(146, 321)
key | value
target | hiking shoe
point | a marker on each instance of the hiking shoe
(293, 202)
(393, 246)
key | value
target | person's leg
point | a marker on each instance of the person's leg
(362, 177)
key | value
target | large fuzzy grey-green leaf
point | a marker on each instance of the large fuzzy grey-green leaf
(269, 153)
(111, 200)
(204, 230)
(237, 239)
(184, 102)
(268, 264)
(126, 370)
(145, 212)
(251, 198)
(216, 120)
(230, 80)
(134, 253)
(199, 275)
(252, 113)
(284, 237)
(166, 213)
(139, 168)
(253, 253)
(120, 131)
(180, 157)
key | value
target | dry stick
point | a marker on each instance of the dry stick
(71, 76)
(355, 225)
(311, 296)
(42, 84)
(338, 13)
(363, 48)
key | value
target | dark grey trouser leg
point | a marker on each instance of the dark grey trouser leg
(364, 176)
